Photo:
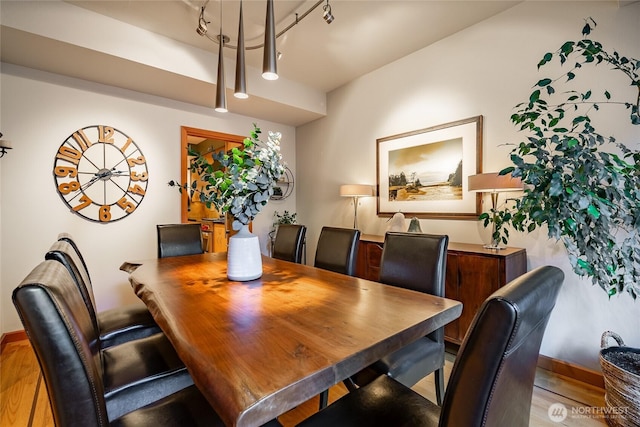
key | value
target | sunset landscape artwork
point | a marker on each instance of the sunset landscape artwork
(426, 172)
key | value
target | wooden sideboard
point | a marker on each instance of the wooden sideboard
(473, 273)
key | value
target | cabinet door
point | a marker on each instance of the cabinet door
(374, 255)
(219, 238)
(452, 329)
(368, 260)
(478, 278)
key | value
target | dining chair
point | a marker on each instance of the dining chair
(491, 383)
(88, 385)
(179, 239)
(418, 262)
(289, 242)
(116, 325)
(337, 250)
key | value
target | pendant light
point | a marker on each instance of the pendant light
(241, 78)
(269, 63)
(221, 95)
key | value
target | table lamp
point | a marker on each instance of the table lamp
(494, 183)
(356, 191)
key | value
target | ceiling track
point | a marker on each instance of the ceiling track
(297, 20)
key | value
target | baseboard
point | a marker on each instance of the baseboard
(12, 337)
(559, 367)
(570, 370)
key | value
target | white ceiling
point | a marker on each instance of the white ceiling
(365, 35)
(317, 57)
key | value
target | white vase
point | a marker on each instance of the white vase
(244, 260)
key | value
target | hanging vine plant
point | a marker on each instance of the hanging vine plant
(585, 187)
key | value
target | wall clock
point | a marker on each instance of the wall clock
(100, 173)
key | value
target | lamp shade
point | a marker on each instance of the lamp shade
(270, 55)
(241, 77)
(494, 183)
(356, 190)
(221, 96)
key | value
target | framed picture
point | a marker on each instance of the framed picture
(424, 173)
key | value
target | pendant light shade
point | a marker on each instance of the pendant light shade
(270, 52)
(269, 63)
(221, 95)
(241, 78)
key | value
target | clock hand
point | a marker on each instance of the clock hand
(89, 183)
(105, 174)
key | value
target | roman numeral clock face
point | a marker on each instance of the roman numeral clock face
(100, 173)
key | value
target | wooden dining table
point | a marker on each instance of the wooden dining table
(258, 349)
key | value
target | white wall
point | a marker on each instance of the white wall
(484, 70)
(38, 112)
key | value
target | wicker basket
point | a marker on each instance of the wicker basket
(621, 371)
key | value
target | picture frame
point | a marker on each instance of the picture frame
(424, 173)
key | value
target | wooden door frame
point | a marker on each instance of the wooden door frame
(185, 133)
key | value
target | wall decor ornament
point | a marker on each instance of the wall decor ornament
(423, 173)
(100, 173)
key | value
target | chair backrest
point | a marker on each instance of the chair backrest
(66, 237)
(418, 262)
(64, 252)
(289, 242)
(337, 250)
(179, 239)
(66, 345)
(415, 261)
(491, 383)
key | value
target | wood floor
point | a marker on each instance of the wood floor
(24, 402)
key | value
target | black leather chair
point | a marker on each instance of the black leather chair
(289, 242)
(117, 325)
(178, 240)
(87, 385)
(491, 383)
(337, 250)
(418, 262)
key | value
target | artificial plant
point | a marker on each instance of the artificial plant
(584, 186)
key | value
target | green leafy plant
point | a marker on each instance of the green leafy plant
(583, 186)
(239, 182)
(501, 218)
(281, 218)
(284, 218)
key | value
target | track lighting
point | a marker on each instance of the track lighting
(327, 16)
(270, 60)
(271, 54)
(221, 93)
(241, 78)
(202, 23)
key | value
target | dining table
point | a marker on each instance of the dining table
(257, 349)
